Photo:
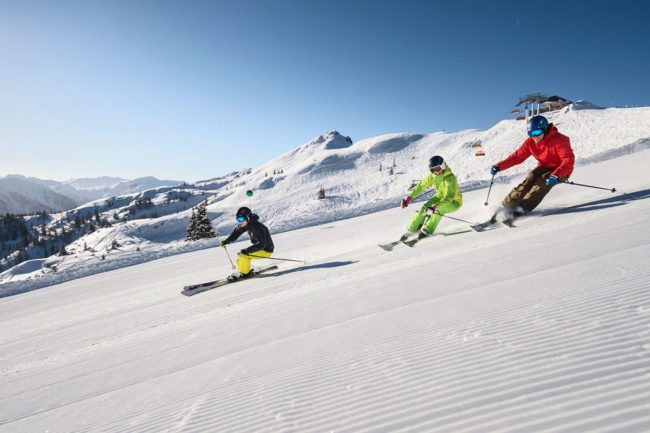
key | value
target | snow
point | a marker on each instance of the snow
(540, 328)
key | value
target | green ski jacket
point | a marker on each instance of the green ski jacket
(446, 187)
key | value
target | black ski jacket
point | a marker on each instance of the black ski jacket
(259, 234)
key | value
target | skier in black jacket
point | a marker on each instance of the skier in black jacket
(262, 247)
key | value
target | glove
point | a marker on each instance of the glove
(406, 201)
(552, 180)
(431, 209)
(222, 244)
(494, 170)
(243, 252)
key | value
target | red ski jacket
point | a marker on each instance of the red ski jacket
(554, 151)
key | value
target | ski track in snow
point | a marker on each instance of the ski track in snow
(541, 328)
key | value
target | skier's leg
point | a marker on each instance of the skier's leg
(416, 221)
(244, 260)
(513, 200)
(258, 255)
(243, 263)
(432, 223)
(537, 193)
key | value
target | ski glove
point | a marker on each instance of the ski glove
(431, 209)
(494, 170)
(406, 201)
(552, 180)
(222, 244)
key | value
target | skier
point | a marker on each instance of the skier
(447, 199)
(555, 164)
(262, 247)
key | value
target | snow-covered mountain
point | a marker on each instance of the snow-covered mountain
(20, 195)
(542, 328)
(91, 183)
(285, 189)
(106, 186)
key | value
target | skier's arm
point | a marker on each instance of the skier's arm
(517, 157)
(420, 187)
(568, 159)
(234, 235)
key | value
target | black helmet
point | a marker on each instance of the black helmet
(244, 212)
(437, 164)
(435, 161)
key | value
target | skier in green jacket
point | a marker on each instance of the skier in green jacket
(447, 199)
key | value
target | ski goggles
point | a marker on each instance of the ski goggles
(241, 219)
(436, 169)
(535, 132)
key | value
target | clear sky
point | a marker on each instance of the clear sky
(190, 90)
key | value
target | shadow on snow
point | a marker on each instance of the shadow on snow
(615, 201)
(310, 267)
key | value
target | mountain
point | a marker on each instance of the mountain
(102, 182)
(544, 327)
(62, 188)
(356, 177)
(140, 184)
(18, 195)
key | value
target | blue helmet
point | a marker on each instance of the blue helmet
(537, 125)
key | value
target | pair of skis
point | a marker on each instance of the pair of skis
(203, 287)
(508, 222)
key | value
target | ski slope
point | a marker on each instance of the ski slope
(286, 187)
(541, 328)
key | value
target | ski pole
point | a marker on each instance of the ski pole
(590, 186)
(231, 263)
(489, 190)
(457, 219)
(276, 258)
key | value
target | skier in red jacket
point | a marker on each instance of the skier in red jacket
(555, 164)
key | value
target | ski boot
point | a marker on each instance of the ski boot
(236, 276)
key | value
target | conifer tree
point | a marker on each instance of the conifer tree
(204, 227)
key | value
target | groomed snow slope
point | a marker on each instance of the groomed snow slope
(540, 328)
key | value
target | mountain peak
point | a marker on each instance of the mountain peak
(331, 140)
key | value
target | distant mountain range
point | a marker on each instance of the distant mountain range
(21, 194)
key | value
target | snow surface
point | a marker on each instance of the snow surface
(286, 187)
(540, 328)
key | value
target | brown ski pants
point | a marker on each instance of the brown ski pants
(529, 193)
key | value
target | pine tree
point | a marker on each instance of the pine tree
(204, 227)
(321, 193)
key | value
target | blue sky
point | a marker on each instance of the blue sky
(190, 90)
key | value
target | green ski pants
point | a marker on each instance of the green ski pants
(420, 222)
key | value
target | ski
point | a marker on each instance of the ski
(482, 226)
(411, 242)
(389, 246)
(198, 288)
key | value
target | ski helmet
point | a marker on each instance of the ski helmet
(243, 212)
(537, 125)
(437, 161)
